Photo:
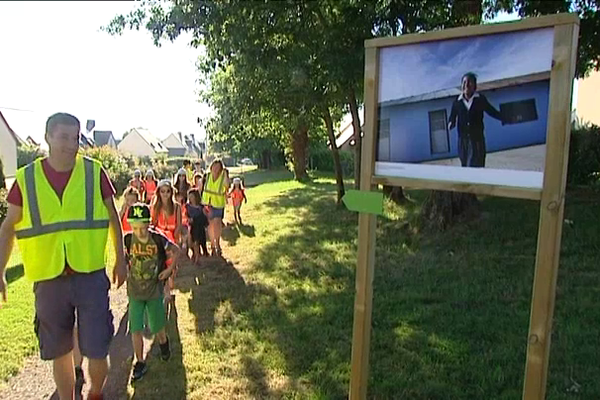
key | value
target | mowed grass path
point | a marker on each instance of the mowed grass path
(451, 310)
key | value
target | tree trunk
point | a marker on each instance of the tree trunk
(395, 193)
(339, 178)
(443, 209)
(357, 136)
(299, 146)
(265, 159)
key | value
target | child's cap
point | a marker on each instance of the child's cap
(139, 212)
(164, 182)
(149, 173)
(181, 172)
(236, 180)
(137, 173)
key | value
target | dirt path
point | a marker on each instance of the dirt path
(35, 379)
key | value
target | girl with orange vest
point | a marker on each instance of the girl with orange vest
(166, 218)
(151, 184)
(131, 196)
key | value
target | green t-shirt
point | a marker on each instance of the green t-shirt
(146, 261)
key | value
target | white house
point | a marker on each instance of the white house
(9, 142)
(180, 145)
(587, 105)
(141, 142)
(175, 146)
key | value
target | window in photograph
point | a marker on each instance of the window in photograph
(517, 112)
(383, 149)
(438, 132)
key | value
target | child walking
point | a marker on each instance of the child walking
(130, 196)
(198, 222)
(237, 195)
(147, 253)
(166, 218)
(137, 182)
(150, 184)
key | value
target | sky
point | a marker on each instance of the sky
(55, 58)
(427, 67)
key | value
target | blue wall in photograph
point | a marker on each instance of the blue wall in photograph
(410, 139)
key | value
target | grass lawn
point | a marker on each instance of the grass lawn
(451, 310)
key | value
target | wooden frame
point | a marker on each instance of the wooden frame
(551, 195)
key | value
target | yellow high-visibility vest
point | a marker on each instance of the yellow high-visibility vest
(52, 230)
(214, 191)
(190, 175)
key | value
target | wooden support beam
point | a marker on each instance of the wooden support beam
(551, 211)
(367, 223)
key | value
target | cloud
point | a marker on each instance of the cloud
(430, 66)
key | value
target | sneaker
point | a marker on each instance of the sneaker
(165, 350)
(79, 379)
(139, 370)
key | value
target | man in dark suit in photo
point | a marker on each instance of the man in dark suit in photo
(468, 111)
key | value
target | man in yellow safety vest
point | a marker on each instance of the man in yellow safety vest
(61, 210)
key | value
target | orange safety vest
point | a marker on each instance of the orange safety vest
(150, 189)
(167, 225)
(125, 223)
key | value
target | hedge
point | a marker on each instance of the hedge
(584, 156)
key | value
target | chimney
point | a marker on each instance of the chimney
(89, 125)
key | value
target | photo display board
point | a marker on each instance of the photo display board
(467, 111)
(483, 109)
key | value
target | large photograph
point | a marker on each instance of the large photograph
(471, 110)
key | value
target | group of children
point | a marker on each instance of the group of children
(161, 222)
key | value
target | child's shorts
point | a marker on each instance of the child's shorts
(237, 208)
(155, 310)
(215, 212)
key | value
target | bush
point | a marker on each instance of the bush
(115, 164)
(321, 159)
(584, 156)
(27, 154)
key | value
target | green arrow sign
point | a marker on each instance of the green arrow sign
(364, 201)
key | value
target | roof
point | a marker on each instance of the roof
(32, 141)
(178, 145)
(149, 138)
(16, 137)
(102, 137)
(481, 86)
(25, 123)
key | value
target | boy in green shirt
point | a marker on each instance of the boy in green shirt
(147, 253)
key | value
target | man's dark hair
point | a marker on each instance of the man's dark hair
(470, 76)
(186, 162)
(61, 119)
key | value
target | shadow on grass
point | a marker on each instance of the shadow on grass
(14, 273)
(450, 310)
(164, 379)
(217, 281)
(232, 232)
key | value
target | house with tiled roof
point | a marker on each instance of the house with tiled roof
(141, 142)
(9, 141)
(105, 138)
(180, 145)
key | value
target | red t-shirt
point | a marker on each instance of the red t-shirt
(58, 180)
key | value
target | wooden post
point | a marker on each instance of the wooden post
(551, 210)
(367, 224)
